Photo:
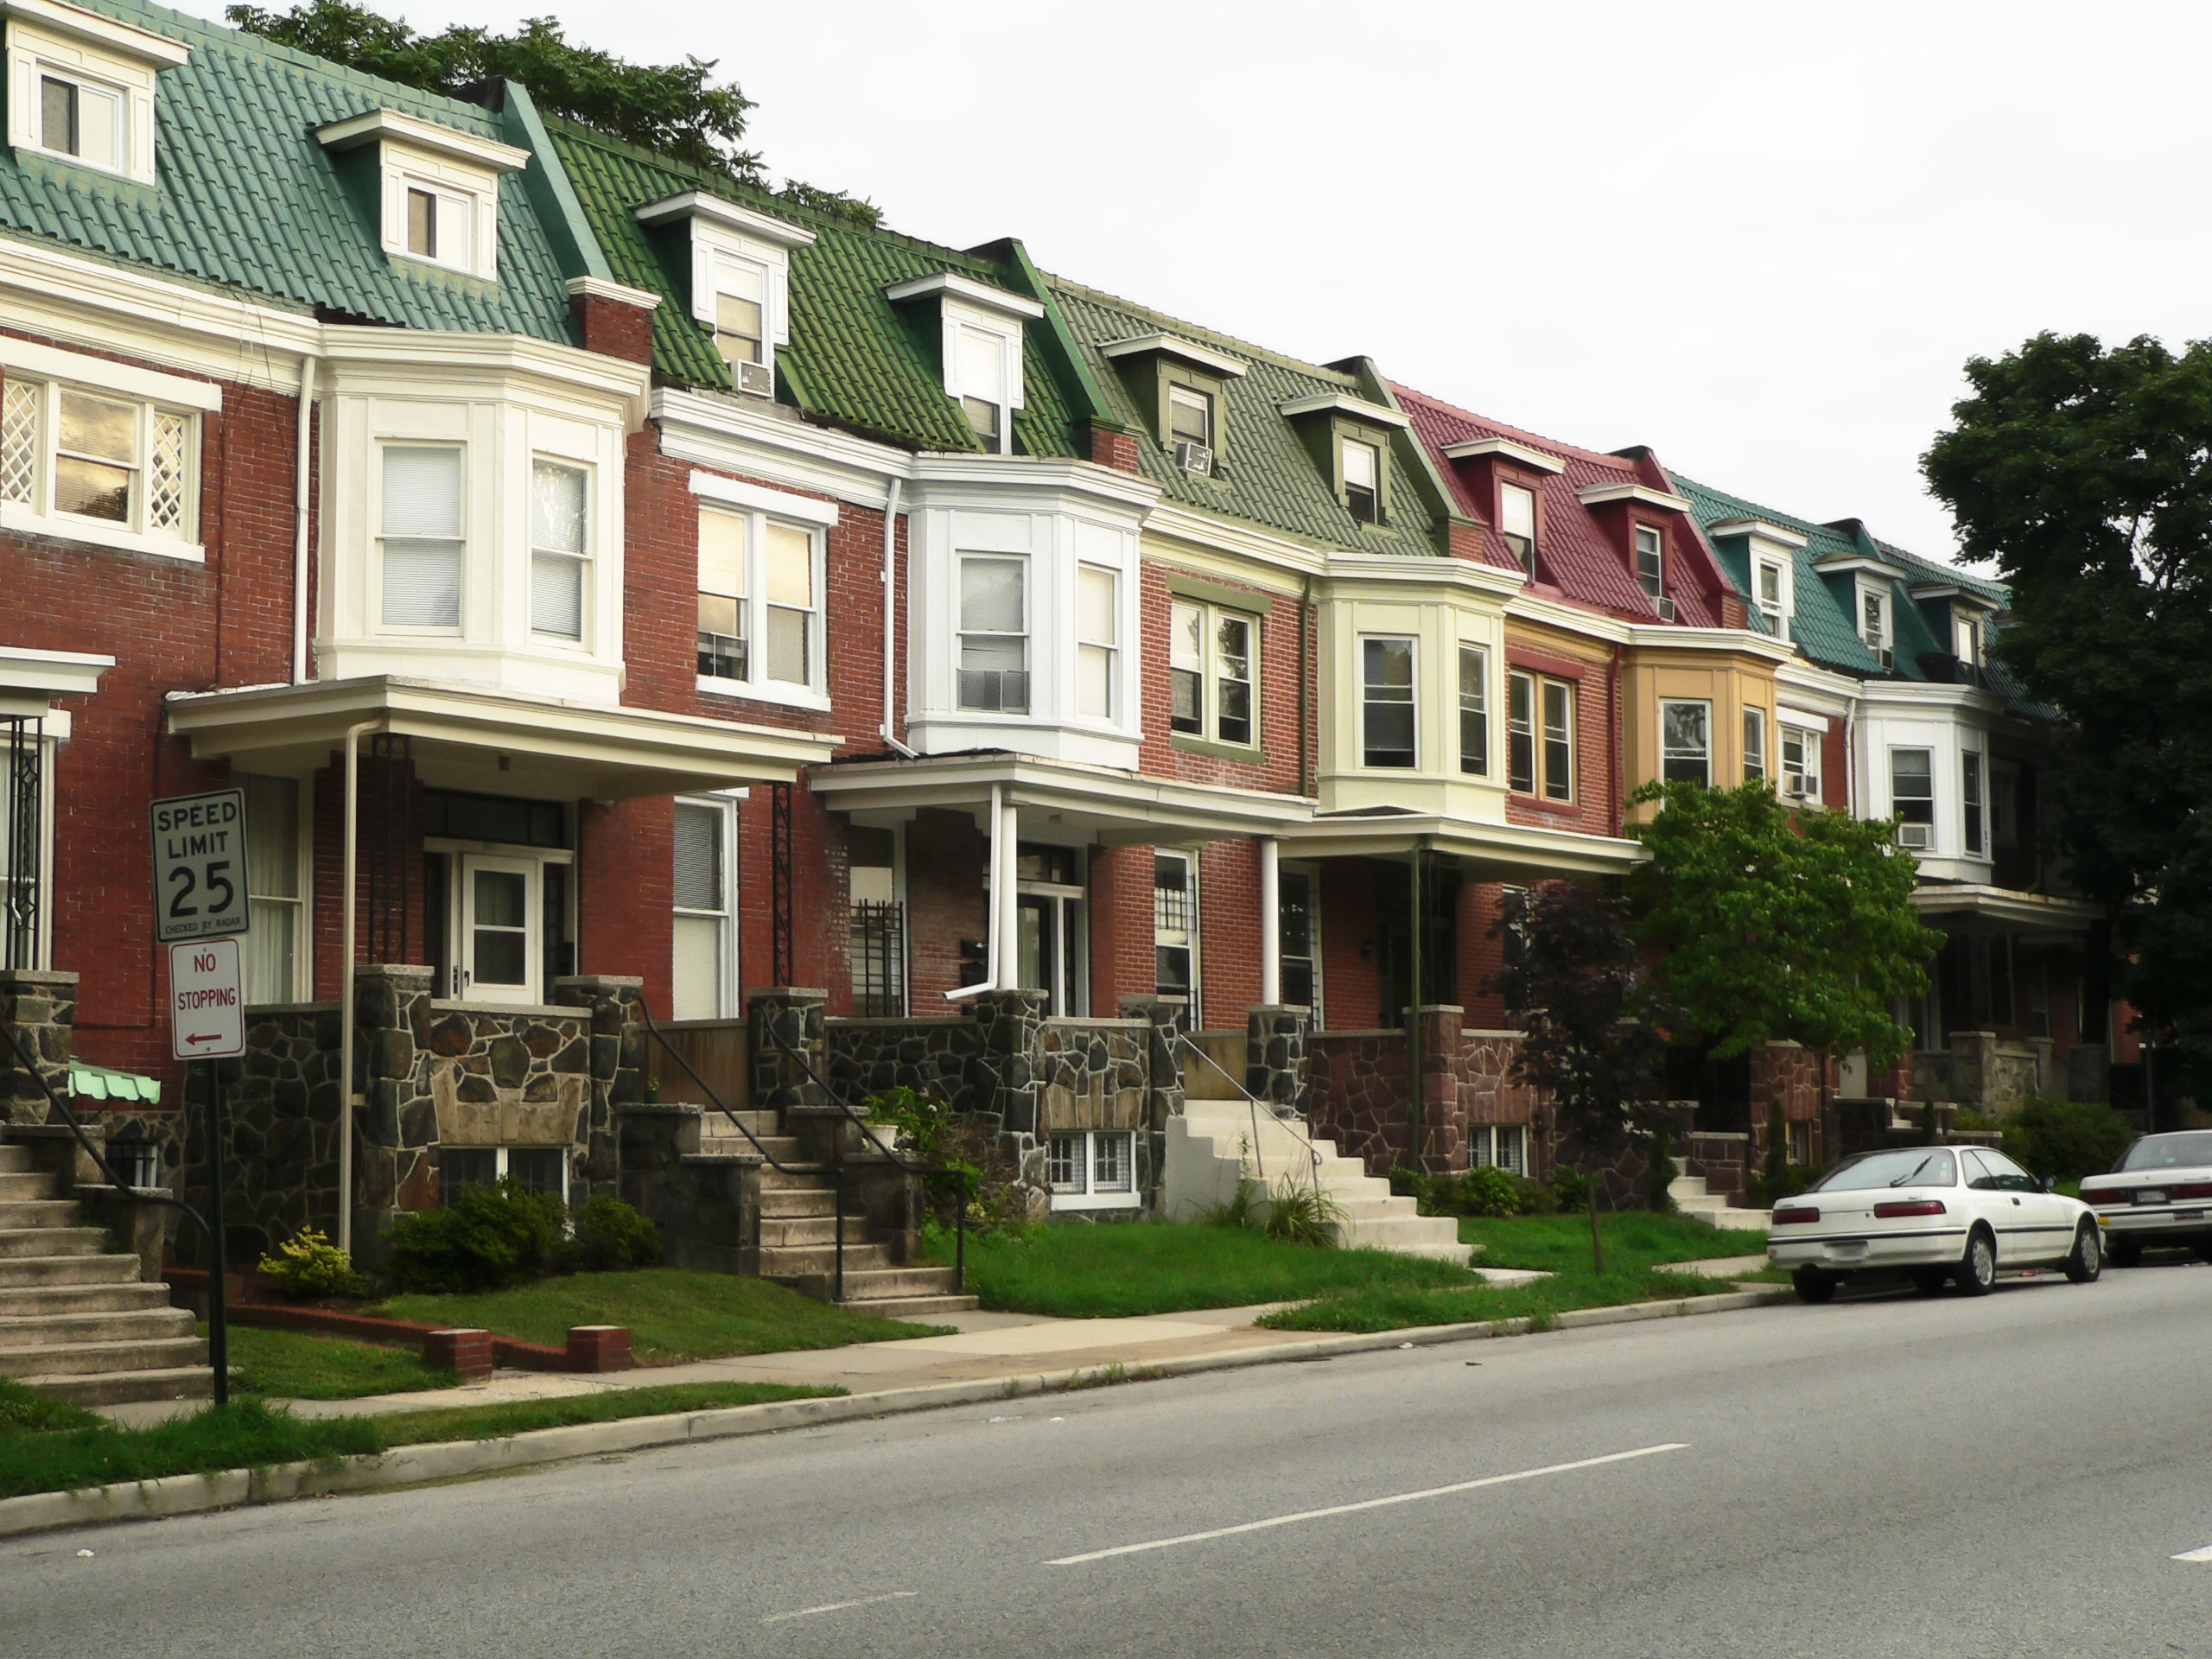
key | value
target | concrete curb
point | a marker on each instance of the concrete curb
(410, 1465)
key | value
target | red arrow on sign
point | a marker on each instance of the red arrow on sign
(204, 1037)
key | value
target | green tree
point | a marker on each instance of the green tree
(2085, 474)
(675, 109)
(1778, 931)
(1575, 984)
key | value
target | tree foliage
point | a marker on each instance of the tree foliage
(675, 109)
(1575, 984)
(1774, 930)
(2085, 474)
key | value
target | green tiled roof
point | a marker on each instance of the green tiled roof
(854, 359)
(1266, 476)
(247, 200)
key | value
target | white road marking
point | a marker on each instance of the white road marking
(2204, 1554)
(1369, 1504)
(839, 1607)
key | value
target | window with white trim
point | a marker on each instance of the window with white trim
(1516, 523)
(741, 317)
(1174, 924)
(73, 454)
(1212, 667)
(1386, 706)
(1912, 797)
(560, 549)
(1092, 1169)
(1970, 801)
(979, 379)
(422, 536)
(276, 905)
(441, 223)
(1770, 600)
(81, 88)
(82, 119)
(535, 1169)
(1499, 1146)
(1298, 936)
(1873, 616)
(995, 633)
(760, 615)
(1801, 763)
(1474, 711)
(1540, 736)
(1097, 635)
(1362, 465)
(1651, 565)
(1685, 742)
(1189, 416)
(703, 966)
(1754, 743)
(1965, 640)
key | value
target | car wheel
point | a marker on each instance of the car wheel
(1977, 1273)
(1813, 1285)
(2204, 1248)
(2125, 1253)
(1929, 1281)
(2087, 1260)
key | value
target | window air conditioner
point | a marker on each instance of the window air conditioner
(1794, 788)
(1665, 607)
(1889, 660)
(758, 378)
(1916, 838)
(1195, 458)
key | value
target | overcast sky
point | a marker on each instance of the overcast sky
(1761, 238)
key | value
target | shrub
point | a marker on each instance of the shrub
(1967, 1118)
(1535, 1198)
(1489, 1191)
(1570, 1187)
(1664, 1171)
(1407, 1183)
(1304, 1215)
(609, 1237)
(925, 1125)
(2066, 1139)
(492, 1236)
(310, 1265)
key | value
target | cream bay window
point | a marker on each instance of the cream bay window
(560, 549)
(995, 633)
(1474, 711)
(1210, 671)
(1754, 743)
(77, 455)
(422, 536)
(1387, 703)
(771, 648)
(1686, 742)
(1098, 653)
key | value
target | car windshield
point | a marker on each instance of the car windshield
(1922, 1166)
(2169, 1152)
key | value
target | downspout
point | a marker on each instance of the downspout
(1305, 679)
(1414, 1112)
(891, 624)
(1620, 767)
(346, 906)
(301, 485)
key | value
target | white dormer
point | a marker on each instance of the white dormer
(982, 350)
(740, 280)
(81, 87)
(1770, 566)
(436, 188)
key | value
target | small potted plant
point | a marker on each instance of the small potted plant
(653, 1090)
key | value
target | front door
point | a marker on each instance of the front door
(1046, 926)
(498, 927)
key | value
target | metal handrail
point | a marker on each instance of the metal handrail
(151, 1194)
(716, 1100)
(1254, 1102)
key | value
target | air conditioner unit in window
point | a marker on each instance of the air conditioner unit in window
(758, 378)
(1195, 458)
(1916, 838)
(1794, 788)
(1665, 607)
(1889, 660)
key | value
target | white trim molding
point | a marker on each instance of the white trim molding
(697, 205)
(1505, 449)
(48, 362)
(732, 492)
(951, 285)
(1598, 495)
(1162, 344)
(449, 142)
(598, 287)
(1343, 403)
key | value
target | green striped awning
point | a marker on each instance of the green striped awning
(102, 1082)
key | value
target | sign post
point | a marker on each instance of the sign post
(200, 909)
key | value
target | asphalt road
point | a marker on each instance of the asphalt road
(1888, 1476)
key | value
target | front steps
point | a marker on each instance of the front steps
(1215, 1144)
(1714, 1209)
(76, 1323)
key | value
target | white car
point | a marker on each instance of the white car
(2159, 1195)
(1929, 1214)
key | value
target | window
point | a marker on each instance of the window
(879, 929)
(1965, 640)
(741, 312)
(1545, 767)
(1559, 741)
(1800, 1149)
(1189, 416)
(275, 908)
(704, 978)
(1770, 598)
(1686, 742)
(82, 120)
(1474, 712)
(559, 549)
(1871, 617)
(1092, 1169)
(995, 635)
(26, 840)
(1650, 571)
(1298, 922)
(775, 648)
(1211, 672)
(1387, 714)
(1517, 522)
(1521, 734)
(441, 224)
(535, 1169)
(1363, 473)
(1912, 797)
(1503, 1146)
(1801, 763)
(981, 385)
(1097, 632)
(422, 536)
(1970, 800)
(1754, 743)
(98, 459)
(1175, 924)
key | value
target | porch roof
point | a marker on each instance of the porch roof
(2005, 909)
(472, 737)
(1490, 852)
(1114, 805)
(30, 679)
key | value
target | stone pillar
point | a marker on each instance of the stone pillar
(619, 1066)
(1164, 1093)
(40, 1009)
(1443, 1113)
(1012, 1027)
(1274, 1057)
(1973, 1067)
(781, 1021)
(395, 1124)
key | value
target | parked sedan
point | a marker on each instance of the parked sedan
(1931, 1214)
(2158, 1195)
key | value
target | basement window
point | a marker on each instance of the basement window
(1092, 1169)
(534, 1169)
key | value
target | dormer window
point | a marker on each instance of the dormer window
(740, 278)
(1770, 598)
(981, 348)
(1965, 640)
(1182, 386)
(435, 189)
(80, 119)
(1349, 439)
(1650, 570)
(1872, 618)
(1189, 416)
(981, 384)
(1516, 523)
(1362, 478)
(741, 310)
(81, 87)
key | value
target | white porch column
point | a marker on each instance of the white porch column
(1270, 921)
(1007, 975)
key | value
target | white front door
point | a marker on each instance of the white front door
(500, 926)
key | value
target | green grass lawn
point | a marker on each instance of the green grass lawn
(45, 1447)
(292, 1365)
(1635, 1240)
(674, 1314)
(1080, 1271)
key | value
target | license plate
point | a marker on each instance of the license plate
(1849, 1247)
(2189, 1215)
(2149, 1195)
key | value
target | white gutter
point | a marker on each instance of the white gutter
(346, 904)
(1002, 862)
(891, 618)
(301, 483)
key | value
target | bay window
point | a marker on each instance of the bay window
(1387, 703)
(1474, 712)
(1754, 743)
(422, 536)
(559, 549)
(995, 635)
(1097, 631)
(1912, 797)
(1970, 801)
(1686, 742)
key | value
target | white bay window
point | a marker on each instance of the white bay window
(1097, 632)
(422, 536)
(995, 635)
(559, 549)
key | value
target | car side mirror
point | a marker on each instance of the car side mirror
(2050, 1183)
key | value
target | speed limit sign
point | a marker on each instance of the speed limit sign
(199, 866)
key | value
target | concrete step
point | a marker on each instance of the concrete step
(18, 1213)
(84, 1268)
(1718, 1215)
(15, 1159)
(792, 1203)
(47, 1330)
(120, 1387)
(784, 1233)
(791, 1262)
(775, 1180)
(18, 1185)
(783, 1148)
(718, 1122)
(94, 1358)
(17, 1239)
(30, 1302)
(876, 1285)
(911, 1307)
(1386, 1232)
(1683, 1188)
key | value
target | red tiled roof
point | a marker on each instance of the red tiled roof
(1578, 563)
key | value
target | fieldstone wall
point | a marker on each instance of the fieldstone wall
(1275, 1042)
(787, 1023)
(1357, 1095)
(40, 1009)
(1165, 1083)
(931, 1057)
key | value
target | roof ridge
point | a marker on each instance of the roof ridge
(1599, 456)
(1199, 334)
